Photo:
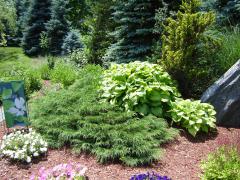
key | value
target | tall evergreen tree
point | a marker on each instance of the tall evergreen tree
(22, 9)
(102, 25)
(228, 11)
(58, 26)
(38, 15)
(134, 33)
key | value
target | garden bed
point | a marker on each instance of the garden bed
(180, 162)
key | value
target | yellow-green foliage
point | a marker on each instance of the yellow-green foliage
(224, 164)
(193, 115)
(182, 37)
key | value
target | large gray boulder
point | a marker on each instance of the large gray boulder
(224, 95)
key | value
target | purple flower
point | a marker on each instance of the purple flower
(149, 176)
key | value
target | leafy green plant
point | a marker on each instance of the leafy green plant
(75, 117)
(139, 86)
(193, 115)
(63, 73)
(45, 72)
(77, 58)
(31, 77)
(222, 164)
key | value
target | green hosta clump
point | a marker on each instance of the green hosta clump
(139, 86)
(193, 115)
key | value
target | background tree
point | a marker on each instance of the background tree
(58, 26)
(167, 9)
(71, 42)
(22, 9)
(38, 15)
(134, 33)
(78, 11)
(7, 19)
(228, 11)
(102, 25)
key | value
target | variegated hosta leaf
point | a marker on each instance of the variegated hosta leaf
(143, 87)
(193, 115)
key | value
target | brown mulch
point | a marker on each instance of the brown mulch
(180, 161)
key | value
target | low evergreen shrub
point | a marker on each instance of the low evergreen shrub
(139, 86)
(222, 164)
(75, 117)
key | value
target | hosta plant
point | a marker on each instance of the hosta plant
(139, 86)
(23, 146)
(69, 171)
(193, 115)
(149, 176)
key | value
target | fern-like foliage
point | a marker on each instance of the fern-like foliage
(75, 117)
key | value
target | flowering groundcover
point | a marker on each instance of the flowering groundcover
(62, 171)
(148, 176)
(23, 146)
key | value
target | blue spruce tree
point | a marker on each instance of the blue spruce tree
(134, 33)
(58, 26)
(38, 15)
(71, 42)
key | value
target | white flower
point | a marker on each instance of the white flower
(43, 149)
(2, 146)
(16, 156)
(19, 109)
(35, 154)
(28, 159)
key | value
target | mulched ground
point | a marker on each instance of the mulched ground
(180, 162)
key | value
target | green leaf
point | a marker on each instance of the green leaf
(157, 111)
(7, 93)
(16, 86)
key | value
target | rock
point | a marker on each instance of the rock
(224, 95)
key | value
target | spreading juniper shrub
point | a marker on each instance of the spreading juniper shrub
(75, 116)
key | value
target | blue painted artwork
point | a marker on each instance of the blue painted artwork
(14, 103)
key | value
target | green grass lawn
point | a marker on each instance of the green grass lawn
(14, 57)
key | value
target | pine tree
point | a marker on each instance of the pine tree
(228, 11)
(102, 25)
(71, 42)
(134, 33)
(22, 8)
(38, 15)
(183, 38)
(58, 26)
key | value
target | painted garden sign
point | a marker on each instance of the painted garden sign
(14, 103)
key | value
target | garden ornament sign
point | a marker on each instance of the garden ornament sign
(14, 103)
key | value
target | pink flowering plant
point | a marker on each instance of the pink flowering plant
(62, 172)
